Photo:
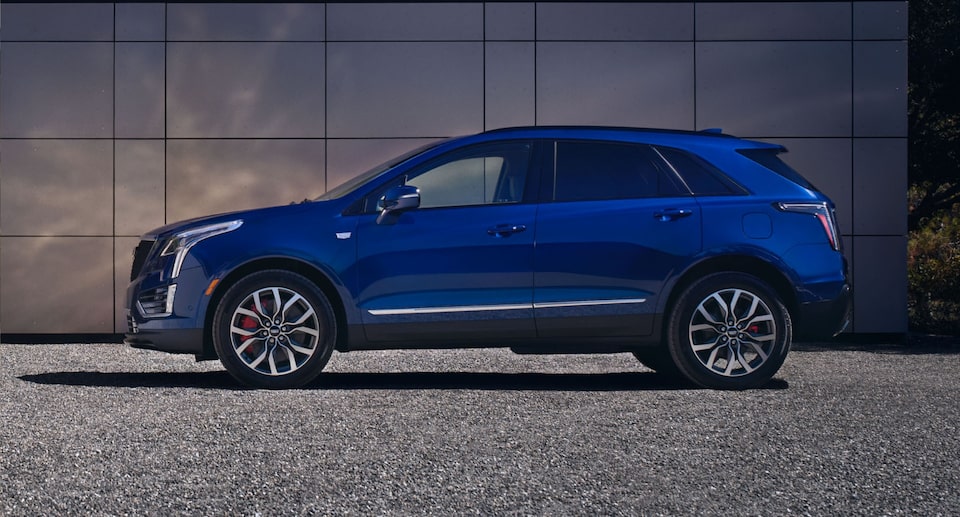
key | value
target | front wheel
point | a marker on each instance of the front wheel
(274, 329)
(729, 331)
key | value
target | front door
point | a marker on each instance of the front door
(459, 267)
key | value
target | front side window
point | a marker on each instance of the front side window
(585, 171)
(483, 175)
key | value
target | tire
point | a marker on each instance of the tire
(729, 331)
(274, 329)
(658, 360)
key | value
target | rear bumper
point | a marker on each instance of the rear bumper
(824, 319)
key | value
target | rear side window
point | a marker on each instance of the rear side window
(769, 159)
(586, 171)
(702, 178)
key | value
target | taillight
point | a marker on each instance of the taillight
(823, 213)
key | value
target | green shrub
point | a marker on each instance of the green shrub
(933, 270)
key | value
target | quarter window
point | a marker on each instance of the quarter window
(769, 159)
(607, 170)
(702, 178)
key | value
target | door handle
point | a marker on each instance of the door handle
(672, 214)
(505, 230)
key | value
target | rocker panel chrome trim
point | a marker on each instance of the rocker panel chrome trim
(514, 307)
(587, 303)
(439, 310)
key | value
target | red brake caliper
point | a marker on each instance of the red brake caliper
(248, 323)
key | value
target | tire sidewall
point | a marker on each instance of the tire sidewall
(244, 288)
(659, 360)
(678, 339)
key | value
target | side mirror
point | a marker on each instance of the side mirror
(398, 200)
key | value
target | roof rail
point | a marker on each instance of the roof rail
(710, 131)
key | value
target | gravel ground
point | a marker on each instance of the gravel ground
(105, 429)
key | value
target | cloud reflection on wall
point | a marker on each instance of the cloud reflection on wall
(212, 176)
(57, 284)
(57, 90)
(57, 187)
(245, 90)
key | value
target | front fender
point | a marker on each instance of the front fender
(327, 253)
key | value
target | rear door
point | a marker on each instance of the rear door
(615, 223)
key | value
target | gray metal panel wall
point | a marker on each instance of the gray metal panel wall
(118, 118)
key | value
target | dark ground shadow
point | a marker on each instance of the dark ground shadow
(912, 346)
(630, 381)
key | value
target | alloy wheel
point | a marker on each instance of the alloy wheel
(274, 331)
(732, 332)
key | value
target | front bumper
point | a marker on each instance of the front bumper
(175, 341)
(167, 315)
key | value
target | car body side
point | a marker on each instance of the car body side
(324, 241)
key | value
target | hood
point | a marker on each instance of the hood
(256, 214)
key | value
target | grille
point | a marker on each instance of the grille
(154, 303)
(139, 258)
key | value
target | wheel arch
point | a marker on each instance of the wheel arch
(747, 264)
(309, 271)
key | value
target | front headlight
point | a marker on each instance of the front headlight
(180, 243)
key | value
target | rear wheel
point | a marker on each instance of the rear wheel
(729, 331)
(274, 329)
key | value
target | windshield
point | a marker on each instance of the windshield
(356, 182)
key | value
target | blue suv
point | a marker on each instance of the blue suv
(701, 253)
